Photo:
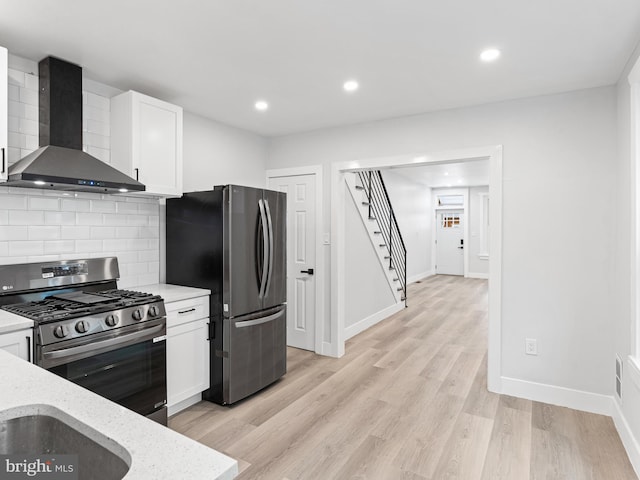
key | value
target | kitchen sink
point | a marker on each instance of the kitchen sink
(42, 429)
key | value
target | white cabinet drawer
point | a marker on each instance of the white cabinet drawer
(185, 311)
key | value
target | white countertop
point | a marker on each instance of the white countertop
(153, 451)
(10, 322)
(173, 293)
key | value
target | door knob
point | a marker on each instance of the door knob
(310, 271)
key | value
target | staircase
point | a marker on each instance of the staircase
(369, 192)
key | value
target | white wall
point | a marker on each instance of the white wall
(622, 291)
(558, 151)
(217, 154)
(367, 289)
(411, 202)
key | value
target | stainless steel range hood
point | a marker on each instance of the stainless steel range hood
(60, 163)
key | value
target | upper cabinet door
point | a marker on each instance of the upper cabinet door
(4, 103)
(146, 142)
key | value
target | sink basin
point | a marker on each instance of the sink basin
(42, 429)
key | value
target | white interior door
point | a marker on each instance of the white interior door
(450, 242)
(301, 257)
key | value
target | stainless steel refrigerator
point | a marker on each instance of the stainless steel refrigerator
(232, 241)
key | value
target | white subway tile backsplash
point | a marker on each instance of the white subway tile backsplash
(73, 233)
(59, 246)
(127, 257)
(44, 203)
(13, 154)
(13, 125)
(4, 217)
(43, 258)
(138, 220)
(127, 232)
(4, 249)
(93, 219)
(154, 267)
(126, 207)
(138, 244)
(147, 279)
(16, 77)
(16, 139)
(20, 217)
(102, 206)
(14, 93)
(28, 127)
(95, 140)
(98, 114)
(147, 256)
(148, 208)
(111, 219)
(30, 97)
(16, 109)
(30, 112)
(98, 101)
(31, 142)
(98, 128)
(76, 205)
(31, 82)
(37, 232)
(59, 218)
(148, 232)
(103, 232)
(116, 245)
(85, 246)
(27, 247)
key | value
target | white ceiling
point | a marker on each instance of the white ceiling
(447, 175)
(217, 57)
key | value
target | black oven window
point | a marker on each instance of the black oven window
(132, 376)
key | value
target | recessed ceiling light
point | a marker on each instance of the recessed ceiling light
(261, 105)
(446, 173)
(350, 86)
(490, 54)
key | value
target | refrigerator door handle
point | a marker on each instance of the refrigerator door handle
(270, 269)
(259, 321)
(265, 250)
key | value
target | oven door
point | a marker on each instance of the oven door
(127, 365)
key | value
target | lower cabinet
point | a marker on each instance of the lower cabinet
(18, 343)
(187, 352)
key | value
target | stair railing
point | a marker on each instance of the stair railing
(381, 210)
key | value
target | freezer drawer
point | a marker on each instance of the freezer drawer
(255, 352)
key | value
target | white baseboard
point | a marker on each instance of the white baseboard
(420, 276)
(328, 350)
(629, 440)
(478, 275)
(561, 396)
(371, 320)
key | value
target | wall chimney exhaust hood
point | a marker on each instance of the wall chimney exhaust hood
(60, 163)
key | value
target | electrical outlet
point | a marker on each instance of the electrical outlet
(530, 346)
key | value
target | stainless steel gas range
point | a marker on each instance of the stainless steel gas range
(86, 330)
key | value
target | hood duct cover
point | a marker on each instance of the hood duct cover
(60, 163)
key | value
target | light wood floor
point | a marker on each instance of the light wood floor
(407, 401)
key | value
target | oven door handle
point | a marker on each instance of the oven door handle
(76, 353)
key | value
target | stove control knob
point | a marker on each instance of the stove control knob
(137, 314)
(111, 320)
(153, 311)
(82, 326)
(61, 331)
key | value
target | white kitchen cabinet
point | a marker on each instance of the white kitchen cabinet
(19, 343)
(146, 142)
(4, 114)
(187, 352)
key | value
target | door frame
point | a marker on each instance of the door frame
(338, 170)
(319, 273)
(464, 191)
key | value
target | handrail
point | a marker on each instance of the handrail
(380, 209)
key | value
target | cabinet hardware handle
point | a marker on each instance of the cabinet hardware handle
(28, 348)
(137, 172)
(187, 311)
(3, 166)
